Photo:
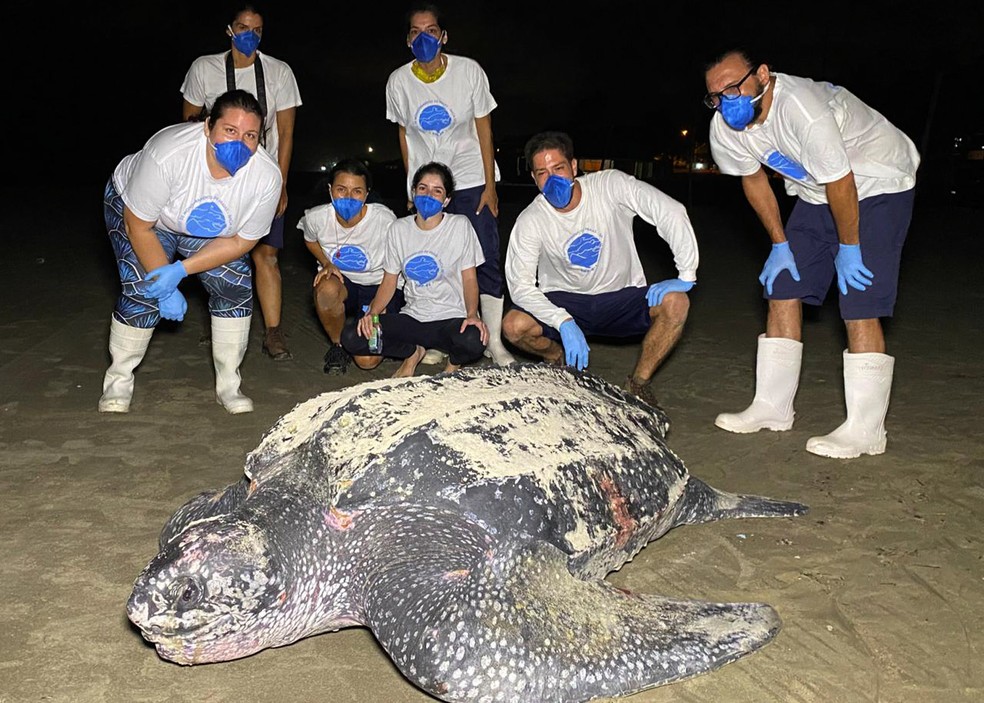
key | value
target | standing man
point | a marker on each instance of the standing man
(443, 107)
(853, 174)
(573, 269)
(273, 83)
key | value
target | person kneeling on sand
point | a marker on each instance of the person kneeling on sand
(437, 253)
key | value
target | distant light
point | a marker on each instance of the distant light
(323, 167)
(370, 149)
(684, 132)
(699, 166)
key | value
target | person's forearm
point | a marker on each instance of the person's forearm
(842, 196)
(384, 294)
(484, 127)
(469, 281)
(147, 247)
(144, 241)
(763, 201)
(317, 252)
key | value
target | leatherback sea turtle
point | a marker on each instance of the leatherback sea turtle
(468, 519)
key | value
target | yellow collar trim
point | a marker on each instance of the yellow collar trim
(421, 74)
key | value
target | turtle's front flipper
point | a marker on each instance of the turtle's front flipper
(204, 506)
(517, 626)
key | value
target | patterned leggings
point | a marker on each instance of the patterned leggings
(230, 286)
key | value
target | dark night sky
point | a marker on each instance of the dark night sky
(623, 79)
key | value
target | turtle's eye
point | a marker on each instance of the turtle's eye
(187, 594)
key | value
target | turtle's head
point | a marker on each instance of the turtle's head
(210, 594)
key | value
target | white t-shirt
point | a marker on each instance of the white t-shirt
(815, 133)
(168, 183)
(357, 251)
(439, 118)
(591, 249)
(206, 81)
(431, 262)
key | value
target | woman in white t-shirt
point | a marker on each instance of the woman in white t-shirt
(204, 192)
(437, 253)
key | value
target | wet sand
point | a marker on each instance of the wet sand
(880, 586)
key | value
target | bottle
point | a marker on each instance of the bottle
(376, 336)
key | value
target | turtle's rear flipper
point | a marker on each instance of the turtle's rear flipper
(520, 627)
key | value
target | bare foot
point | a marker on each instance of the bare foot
(451, 367)
(409, 366)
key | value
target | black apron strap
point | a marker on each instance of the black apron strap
(260, 86)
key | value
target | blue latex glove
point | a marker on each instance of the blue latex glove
(851, 271)
(163, 281)
(780, 259)
(654, 296)
(173, 307)
(575, 345)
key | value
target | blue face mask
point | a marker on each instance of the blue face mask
(427, 206)
(558, 191)
(347, 208)
(232, 156)
(246, 42)
(425, 47)
(739, 112)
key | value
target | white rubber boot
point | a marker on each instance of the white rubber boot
(433, 357)
(491, 311)
(230, 336)
(867, 387)
(777, 371)
(127, 346)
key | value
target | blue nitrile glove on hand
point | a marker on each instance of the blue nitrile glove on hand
(780, 259)
(173, 307)
(673, 285)
(163, 281)
(851, 271)
(575, 345)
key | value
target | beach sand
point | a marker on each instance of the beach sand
(880, 587)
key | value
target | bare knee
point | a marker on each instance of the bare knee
(265, 255)
(329, 293)
(673, 310)
(517, 325)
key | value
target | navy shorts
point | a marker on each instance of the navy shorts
(622, 313)
(275, 237)
(465, 202)
(812, 235)
(360, 295)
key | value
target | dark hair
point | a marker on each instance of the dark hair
(741, 53)
(250, 8)
(418, 8)
(234, 99)
(441, 170)
(548, 140)
(352, 166)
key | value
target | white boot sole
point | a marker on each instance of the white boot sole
(114, 405)
(836, 451)
(237, 407)
(726, 422)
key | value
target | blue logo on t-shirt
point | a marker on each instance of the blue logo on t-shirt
(206, 220)
(434, 118)
(786, 166)
(584, 251)
(422, 269)
(350, 258)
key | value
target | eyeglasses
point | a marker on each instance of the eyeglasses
(712, 100)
